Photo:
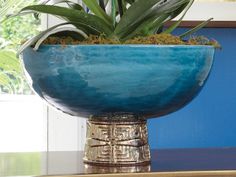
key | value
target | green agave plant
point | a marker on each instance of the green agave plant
(114, 19)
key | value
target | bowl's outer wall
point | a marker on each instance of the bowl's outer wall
(90, 80)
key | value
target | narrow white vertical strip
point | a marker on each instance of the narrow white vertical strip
(81, 133)
(44, 21)
(44, 156)
(63, 131)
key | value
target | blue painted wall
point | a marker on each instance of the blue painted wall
(210, 119)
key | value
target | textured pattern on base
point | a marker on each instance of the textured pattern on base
(117, 143)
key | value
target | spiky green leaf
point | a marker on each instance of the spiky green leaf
(177, 23)
(97, 10)
(71, 4)
(102, 5)
(136, 12)
(33, 40)
(113, 12)
(142, 10)
(148, 27)
(121, 7)
(73, 15)
(68, 31)
(195, 29)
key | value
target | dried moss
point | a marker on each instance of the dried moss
(156, 39)
(201, 40)
(61, 41)
(92, 39)
(159, 39)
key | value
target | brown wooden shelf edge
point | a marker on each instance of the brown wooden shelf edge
(212, 24)
(226, 173)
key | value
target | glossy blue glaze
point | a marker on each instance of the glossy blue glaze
(150, 80)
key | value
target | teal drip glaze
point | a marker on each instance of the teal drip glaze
(148, 80)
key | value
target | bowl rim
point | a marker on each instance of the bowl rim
(127, 45)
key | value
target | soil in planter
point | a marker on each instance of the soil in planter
(156, 39)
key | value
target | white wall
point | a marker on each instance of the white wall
(220, 11)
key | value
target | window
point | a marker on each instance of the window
(22, 114)
(26, 122)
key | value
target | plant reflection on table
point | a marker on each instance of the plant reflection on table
(20, 163)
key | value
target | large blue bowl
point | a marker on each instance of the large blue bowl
(148, 80)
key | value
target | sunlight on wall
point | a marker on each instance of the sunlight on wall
(23, 124)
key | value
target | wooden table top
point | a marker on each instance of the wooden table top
(165, 163)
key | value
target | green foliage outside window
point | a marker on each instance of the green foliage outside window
(11, 79)
(12, 32)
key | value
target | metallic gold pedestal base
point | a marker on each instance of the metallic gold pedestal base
(96, 169)
(117, 140)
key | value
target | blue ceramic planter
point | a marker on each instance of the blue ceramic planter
(150, 80)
